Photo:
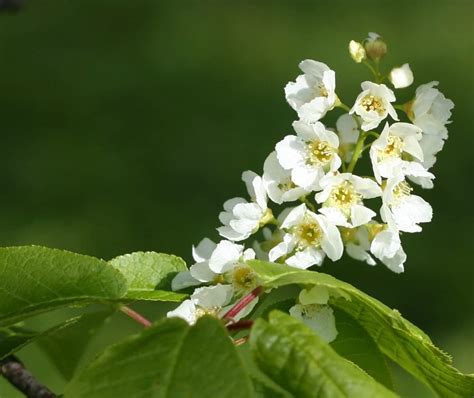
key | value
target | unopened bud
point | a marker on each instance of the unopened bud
(401, 77)
(375, 47)
(357, 51)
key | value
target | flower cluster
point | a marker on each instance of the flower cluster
(324, 207)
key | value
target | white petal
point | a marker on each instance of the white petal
(231, 234)
(282, 249)
(385, 244)
(402, 76)
(410, 212)
(306, 258)
(361, 215)
(225, 256)
(396, 262)
(358, 253)
(335, 216)
(202, 272)
(203, 250)
(210, 297)
(307, 176)
(183, 280)
(290, 152)
(319, 318)
(294, 217)
(331, 241)
(186, 310)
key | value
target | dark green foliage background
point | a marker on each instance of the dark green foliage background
(125, 125)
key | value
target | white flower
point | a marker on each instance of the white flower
(241, 218)
(431, 110)
(227, 263)
(309, 236)
(205, 300)
(430, 145)
(387, 247)
(198, 272)
(309, 154)
(357, 244)
(357, 51)
(402, 76)
(342, 196)
(313, 311)
(377, 240)
(201, 254)
(313, 93)
(374, 104)
(348, 132)
(401, 209)
(277, 182)
(388, 150)
(227, 255)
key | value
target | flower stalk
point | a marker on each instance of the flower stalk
(135, 316)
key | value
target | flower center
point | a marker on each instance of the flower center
(402, 190)
(311, 310)
(373, 103)
(243, 278)
(200, 312)
(344, 196)
(309, 233)
(320, 152)
(286, 185)
(394, 147)
(323, 92)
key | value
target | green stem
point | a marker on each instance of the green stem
(372, 69)
(343, 106)
(308, 204)
(357, 152)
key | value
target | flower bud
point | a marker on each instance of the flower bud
(375, 47)
(401, 77)
(357, 51)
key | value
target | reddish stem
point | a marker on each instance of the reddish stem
(240, 325)
(240, 305)
(135, 316)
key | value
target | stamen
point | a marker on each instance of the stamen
(309, 234)
(373, 103)
(394, 147)
(320, 152)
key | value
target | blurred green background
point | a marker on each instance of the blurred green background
(125, 125)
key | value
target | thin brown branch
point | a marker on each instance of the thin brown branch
(14, 371)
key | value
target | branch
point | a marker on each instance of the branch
(14, 371)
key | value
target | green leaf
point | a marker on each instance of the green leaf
(298, 360)
(14, 339)
(264, 386)
(146, 272)
(66, 346)
(36, 279)
(155, 295)
(396, 337)
(356, 345)
(170, 359)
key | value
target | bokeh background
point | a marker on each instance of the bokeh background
(125, 125)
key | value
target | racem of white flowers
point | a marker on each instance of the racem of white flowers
(323, 207)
